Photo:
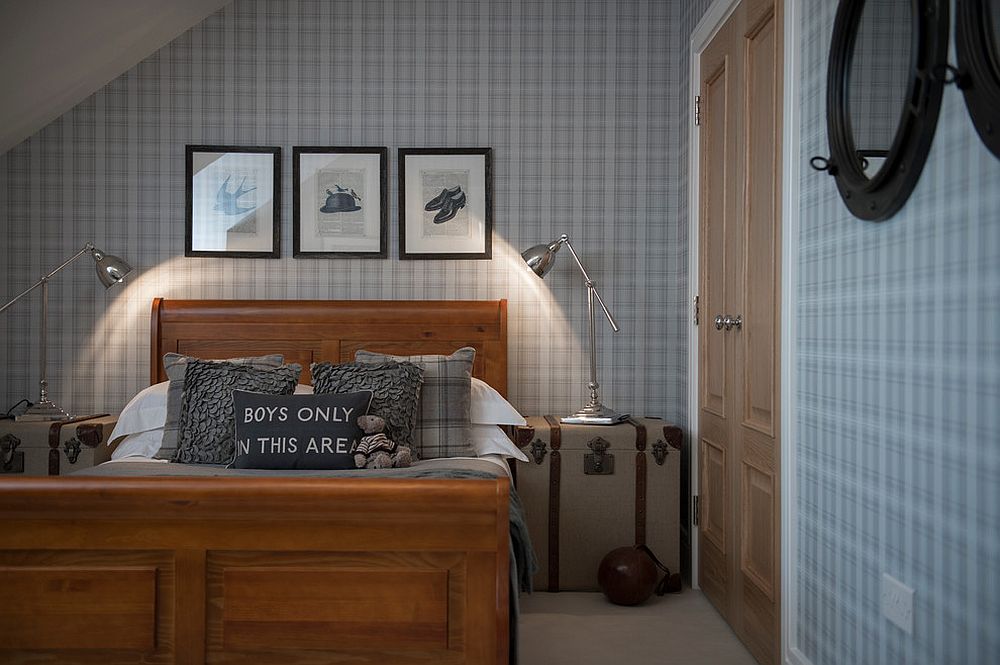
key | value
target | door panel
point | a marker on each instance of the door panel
(715, 508)
(758, 535)
(739, 258)
(713, 365)
(761, 229)
(715, 479)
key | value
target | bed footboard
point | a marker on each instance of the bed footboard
(252, 570)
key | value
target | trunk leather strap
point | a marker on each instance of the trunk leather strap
(640, 481)
(555, 469)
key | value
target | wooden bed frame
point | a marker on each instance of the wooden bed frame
(267, 570)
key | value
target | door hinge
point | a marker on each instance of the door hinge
(697, 110)
(696, 310)
(696, 511)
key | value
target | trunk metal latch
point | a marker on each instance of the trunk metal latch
(600, 462)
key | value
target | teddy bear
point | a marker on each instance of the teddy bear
(377, 451)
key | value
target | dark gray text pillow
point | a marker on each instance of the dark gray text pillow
(205, 433)
(395, 391)
(445, 399)
(297, 431)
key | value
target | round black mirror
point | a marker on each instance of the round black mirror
(977, 44)
(883, 99)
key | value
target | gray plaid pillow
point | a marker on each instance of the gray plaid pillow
(445, 399)
(175, 364)
(207, 422)
(395, 391)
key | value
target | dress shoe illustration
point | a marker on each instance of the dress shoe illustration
(452, 204)
(438, 201)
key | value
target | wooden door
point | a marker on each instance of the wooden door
(739, 280)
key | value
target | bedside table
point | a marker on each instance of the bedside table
(589, 489)
(54, 448)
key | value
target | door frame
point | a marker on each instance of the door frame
(713, 19)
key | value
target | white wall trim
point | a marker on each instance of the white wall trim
(791, 166)
(710, 22)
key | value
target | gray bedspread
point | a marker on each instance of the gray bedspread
(523, 563)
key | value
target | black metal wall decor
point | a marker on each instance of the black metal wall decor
(977, 45)
(876, 180)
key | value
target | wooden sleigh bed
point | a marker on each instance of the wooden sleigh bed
(267, 570)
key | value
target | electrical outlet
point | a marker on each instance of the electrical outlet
(897, 603)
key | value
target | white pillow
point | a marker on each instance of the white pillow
(490, 408)
(491, 440)
(142, 444)
(146, 411)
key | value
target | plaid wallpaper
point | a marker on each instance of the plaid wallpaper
(898, 399)
(580, 101)
(878, 80)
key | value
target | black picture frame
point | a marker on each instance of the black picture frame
(373, 225)
(201, 230)
(422, 214)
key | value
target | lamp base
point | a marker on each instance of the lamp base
(595, 413)
(43, 411)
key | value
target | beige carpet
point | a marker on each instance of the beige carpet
(585, 629)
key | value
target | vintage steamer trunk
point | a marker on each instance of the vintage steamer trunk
(589, 489)
(54, 448)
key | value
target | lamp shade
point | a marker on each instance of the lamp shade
(111, 269)
(541, 258)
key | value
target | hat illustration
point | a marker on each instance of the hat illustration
(341, 200)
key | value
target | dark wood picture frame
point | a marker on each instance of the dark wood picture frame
(275, 152)
(298, 238)
(479, 214)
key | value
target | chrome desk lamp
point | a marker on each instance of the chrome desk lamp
(110, 270)
(540, 259)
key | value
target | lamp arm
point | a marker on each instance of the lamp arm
(590, 283)
(89, 247)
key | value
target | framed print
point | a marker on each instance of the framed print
(339, 202)
(233, 201)
(445, 203)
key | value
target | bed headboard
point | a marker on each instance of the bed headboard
(308, 331)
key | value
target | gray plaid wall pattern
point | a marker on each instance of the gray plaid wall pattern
(898, 399)
(578, 100)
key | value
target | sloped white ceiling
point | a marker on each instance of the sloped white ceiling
(54, 53)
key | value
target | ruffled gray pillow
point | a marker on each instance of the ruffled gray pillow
(175, 365)
(395, 392)
(207, 423)
(443, 424)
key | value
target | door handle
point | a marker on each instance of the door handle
(730, 322)
(719, 321)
